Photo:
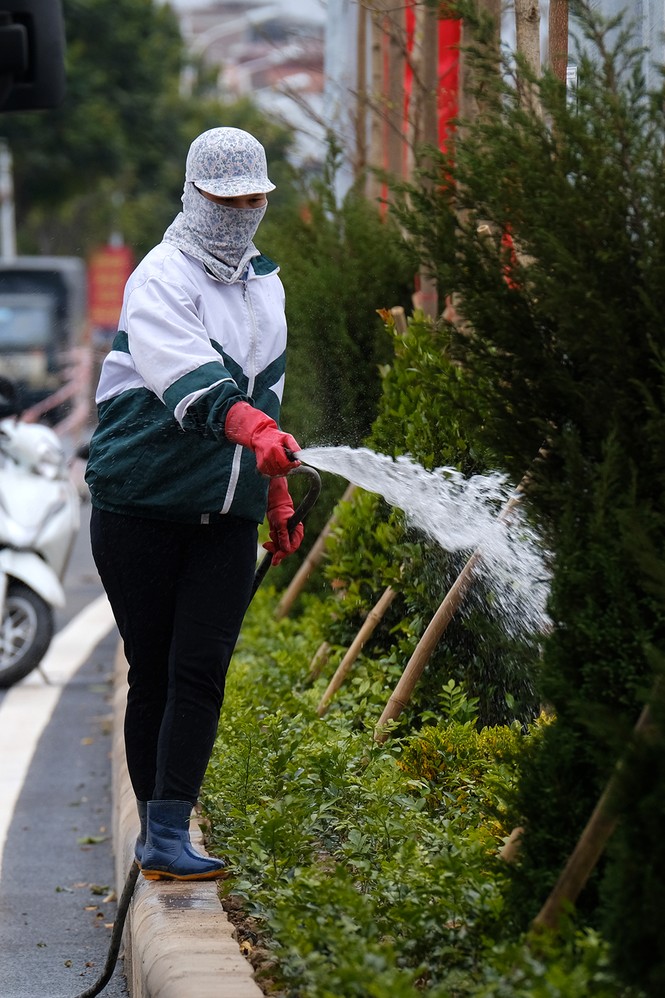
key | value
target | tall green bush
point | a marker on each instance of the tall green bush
(339, 264)
(557, 269)
(429, 411)
(365, 870)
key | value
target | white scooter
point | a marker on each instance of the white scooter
(39, 519)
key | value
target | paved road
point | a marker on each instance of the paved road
(56, 902)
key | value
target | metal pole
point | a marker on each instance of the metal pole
(7, 223)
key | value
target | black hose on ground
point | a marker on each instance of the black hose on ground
(116, 935)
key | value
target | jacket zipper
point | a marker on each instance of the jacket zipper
(251, 372)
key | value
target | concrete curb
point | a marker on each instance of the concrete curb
(178, 940)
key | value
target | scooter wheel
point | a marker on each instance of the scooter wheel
(26, 631)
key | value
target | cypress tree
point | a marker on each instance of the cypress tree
(548, 234)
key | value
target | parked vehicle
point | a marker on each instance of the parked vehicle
(39, 519)
(43, 304)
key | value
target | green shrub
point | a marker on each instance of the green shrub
(370, 547)
(565, 348)
(368, 870)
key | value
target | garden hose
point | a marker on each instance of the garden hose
(297, 517)
(116, 934)
(130, 883)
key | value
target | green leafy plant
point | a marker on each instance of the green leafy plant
(554, 259)
(361, 869)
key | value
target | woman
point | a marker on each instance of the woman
(185, 459)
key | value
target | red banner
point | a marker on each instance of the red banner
(448, 95)
(108, 270)
(449, 37)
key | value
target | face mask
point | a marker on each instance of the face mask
(220, 236)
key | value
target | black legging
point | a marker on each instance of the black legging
(179, 593)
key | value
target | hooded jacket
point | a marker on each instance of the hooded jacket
(189, 347)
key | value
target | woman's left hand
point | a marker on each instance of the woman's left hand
(280, 510)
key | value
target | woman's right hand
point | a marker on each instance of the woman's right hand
(273, 449)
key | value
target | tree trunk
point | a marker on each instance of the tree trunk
(527, 27)
(360, 159)
(377, 124)
(558, 33)
(471, 99)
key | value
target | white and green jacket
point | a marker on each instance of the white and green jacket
(189, 347)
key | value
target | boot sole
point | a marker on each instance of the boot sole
(163, 875)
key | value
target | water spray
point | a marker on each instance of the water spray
(478, 514)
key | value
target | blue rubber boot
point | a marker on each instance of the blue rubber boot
(168, 853)
(142, 808)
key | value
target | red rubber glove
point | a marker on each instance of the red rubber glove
(280, 510)
(252, 428)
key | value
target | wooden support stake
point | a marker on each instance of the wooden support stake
(589, 848)
(399, 318)
(369, 626)
(437, 625)
(425, 647)
(312, 560)
(318, 663)
(509, 851)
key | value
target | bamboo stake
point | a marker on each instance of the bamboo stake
(372, 620)
(399, 319)
(436, 627)
(318, 663)
(589, 848)
(309, 564)
(428, 642)
(509, 851)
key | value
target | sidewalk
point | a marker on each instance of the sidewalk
(178, 941)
